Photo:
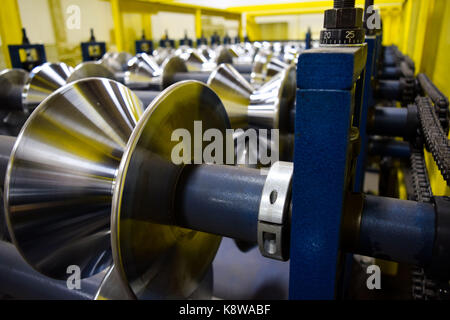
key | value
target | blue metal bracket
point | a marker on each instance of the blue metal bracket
(330, 91)
(368, 103)
(144, 46)
(186, 42)
(168, 43)
(93, 51)
(33, 55)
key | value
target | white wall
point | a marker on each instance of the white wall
(95, 14)
(35, 16)
(175, 23)
(297, 24)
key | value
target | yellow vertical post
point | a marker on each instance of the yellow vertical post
(387, 27)
(406, 25)
(421, 32)
(240, 29)
(118, 25)
(396, 21)
(147, 25)
(10, 27)
(198, 23)
(252, 28)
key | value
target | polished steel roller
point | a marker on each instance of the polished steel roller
(61, 173)
(44, 80)
(161, 54)
(12, 82)
(154, 257)
(90, 69)
(116, 61)
(89, 155)
(267, 107)
(195, 60)
(144, 72)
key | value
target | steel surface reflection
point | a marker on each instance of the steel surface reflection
(44, 80)
(61, 173)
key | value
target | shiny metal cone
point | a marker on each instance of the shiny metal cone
(235, 93)
(143, 69)
(161, 54)
(223, 55)
(90, 69)
(43, 81)
(194, 60)
(170, 67)
(157, 259)
(60, 177)
(116, 61)
(259, 71)
(270, 105)
(113, 288)
(12, 83)
(275, 66)
(207, 52)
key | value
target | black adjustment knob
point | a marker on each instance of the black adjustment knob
(343, 24)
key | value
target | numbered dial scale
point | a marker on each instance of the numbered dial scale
(342, 36)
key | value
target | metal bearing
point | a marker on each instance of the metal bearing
(274, 209)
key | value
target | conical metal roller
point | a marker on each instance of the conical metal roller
(223, 55)
(267, 107)
(12, 82)
(154, 257)
(161, 54)
(61, 174)
(116, 61)
(144, 72)
(44, 80)
(195, 61)
(259, 71)
(90, 69)
(12, 113)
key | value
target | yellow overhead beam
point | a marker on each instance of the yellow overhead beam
(10, 27)
(304, 7)
(198, 23)
(169, 6)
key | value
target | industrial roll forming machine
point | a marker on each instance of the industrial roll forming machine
(86, 156)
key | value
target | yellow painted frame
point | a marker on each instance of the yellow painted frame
(10, 27)
(149, 7)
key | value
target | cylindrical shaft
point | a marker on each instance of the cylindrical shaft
(397, 230)
(6, 146)
(146, 96)
(199, 76)
(389, 90)
(390, 73)
(222, 200)
(390, 122)
(390, 148)
(244, 68)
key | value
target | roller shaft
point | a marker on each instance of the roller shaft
(390, 121)
(244, 68)
(397, 230)
(221, 200)
(146, 96)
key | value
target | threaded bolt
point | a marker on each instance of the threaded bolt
(339, 4)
